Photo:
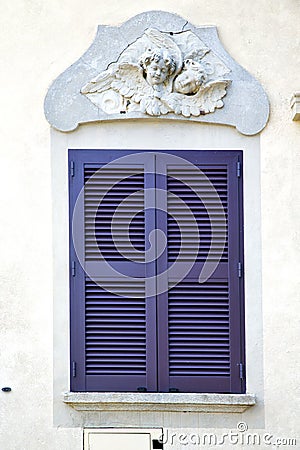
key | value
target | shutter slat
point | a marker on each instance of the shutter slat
(117, 326)
(103, 195)
(196, 327)
(181, 182)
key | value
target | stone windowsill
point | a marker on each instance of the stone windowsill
(115, 401)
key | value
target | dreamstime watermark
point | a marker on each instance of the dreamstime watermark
(155, 198)
(240, 436)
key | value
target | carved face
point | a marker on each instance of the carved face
(157, 72)
(187, 82)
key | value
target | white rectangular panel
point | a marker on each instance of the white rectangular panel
(120, 438)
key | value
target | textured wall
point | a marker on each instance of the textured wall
(39, 40)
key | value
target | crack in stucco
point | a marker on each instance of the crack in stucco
(183, 28)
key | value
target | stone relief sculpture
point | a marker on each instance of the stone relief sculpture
(161, 73)
(140, 70)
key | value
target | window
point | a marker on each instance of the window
(156, 264)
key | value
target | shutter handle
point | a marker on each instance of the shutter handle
(142, 389)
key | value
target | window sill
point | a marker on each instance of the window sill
(115, 401)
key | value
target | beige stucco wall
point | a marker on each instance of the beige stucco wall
(39, 40)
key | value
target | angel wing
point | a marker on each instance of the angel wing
(126, 79)
(100, 83)
(205, 101)
(130, 83)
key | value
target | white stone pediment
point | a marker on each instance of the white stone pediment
(157, 65)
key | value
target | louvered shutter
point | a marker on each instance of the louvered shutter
(113, 326)
(200, 329)
(150, 325)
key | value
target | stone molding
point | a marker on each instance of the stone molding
(157, 65)
(295, 105)
(164, 402)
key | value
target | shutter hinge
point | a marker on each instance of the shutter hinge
(73, 268)
(73, 369)
(72, 168)
(238, 169)
(242, 371)
(240, 270)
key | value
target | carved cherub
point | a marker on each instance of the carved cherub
(193, 94)
(158, 65)
(193, 75)
(140, 79)
(150, 77)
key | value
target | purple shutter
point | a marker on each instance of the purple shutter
(113, 326)
(200, 328)
(189, 338)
